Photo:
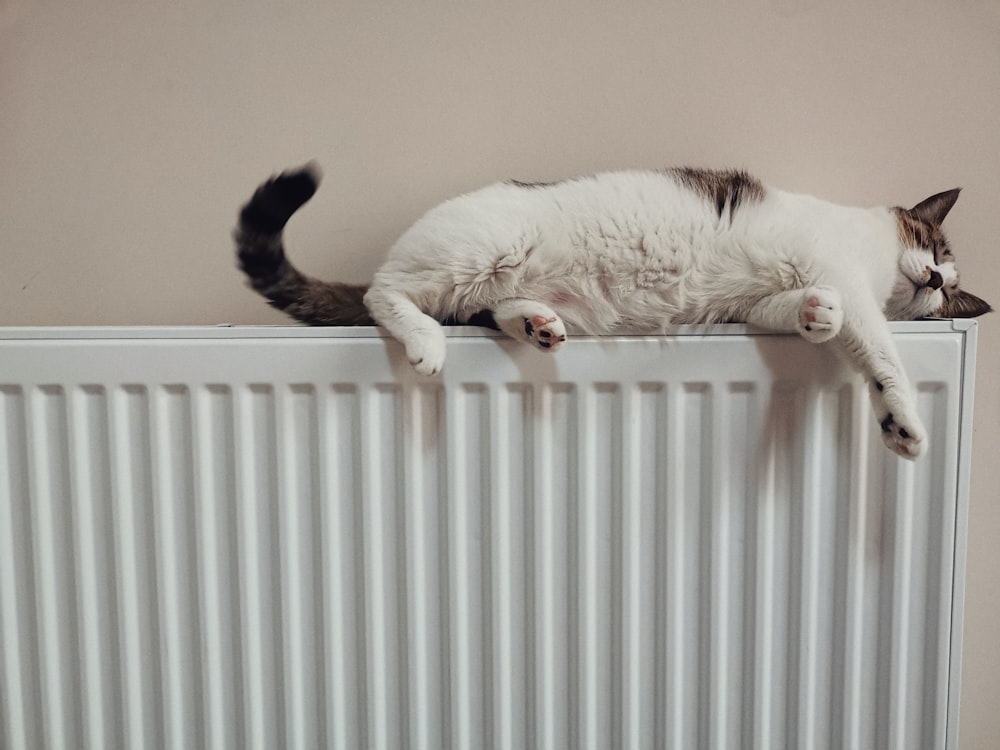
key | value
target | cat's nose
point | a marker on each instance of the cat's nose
(935, 281)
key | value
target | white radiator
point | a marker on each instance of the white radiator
(284, 538)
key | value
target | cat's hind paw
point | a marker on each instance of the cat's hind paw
(547, 333)
(530, 321)
(821, 314)
(425, 350)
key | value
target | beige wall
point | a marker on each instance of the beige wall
(130, 132)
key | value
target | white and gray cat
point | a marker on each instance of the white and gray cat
(637, 251)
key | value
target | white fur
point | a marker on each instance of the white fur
(637, 251)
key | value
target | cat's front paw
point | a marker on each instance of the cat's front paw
(821, 314)
(904, 437)
(902, 431)
(545, 332)
(425, 351)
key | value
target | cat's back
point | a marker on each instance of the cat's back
(624, 195)
(604, 193)
(606, 204)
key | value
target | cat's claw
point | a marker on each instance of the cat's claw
(547, 333)
(425, 351)
(821, 314)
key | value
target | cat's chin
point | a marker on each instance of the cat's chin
(911, 300)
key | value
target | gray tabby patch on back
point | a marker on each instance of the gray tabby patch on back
(530, 185)
(724, 188)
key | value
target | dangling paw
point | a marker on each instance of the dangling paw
(821, 314)
(902, 431)
(904, 437)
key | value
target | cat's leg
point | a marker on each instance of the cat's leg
(419, 333)
(815, 312)
(866, 340)
(530, 321)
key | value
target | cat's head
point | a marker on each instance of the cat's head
(927, 282)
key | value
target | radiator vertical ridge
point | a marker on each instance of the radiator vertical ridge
(341, 543)
(255, 488)
(214, 520)
(15, 574)
(176, 570)
(717, 540)
(287, 449)
(469, 603)
(699, 502)
(553, 558)
(668, 525)
(633, 710)
(131, 499)
(512, 561)
(899, 603)
(53, 547)
(940, 484)
(422, 524)
(598, 504)
(764, 595)
(804, 562)
(88, 435)
(385, 611)
(716, 554)
(504, 666)
(849, 700)
(727, 479)
(296, 408)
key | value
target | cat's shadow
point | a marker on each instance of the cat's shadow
(804, 378)
(797, 372)
(795, 399)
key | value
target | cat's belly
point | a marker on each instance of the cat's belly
(602, 301)
(636, 282)
(599, 275)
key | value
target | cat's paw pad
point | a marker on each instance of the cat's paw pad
(821, 314)
(425, 351)
(903, 436)
(546, 332)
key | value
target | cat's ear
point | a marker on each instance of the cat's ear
(934, 209)
(963, 305)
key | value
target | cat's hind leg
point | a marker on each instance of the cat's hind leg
(530, 321)
(815, 312)
(419, 333)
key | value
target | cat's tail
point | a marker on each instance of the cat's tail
(261, 254)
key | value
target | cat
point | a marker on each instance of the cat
(637, 251)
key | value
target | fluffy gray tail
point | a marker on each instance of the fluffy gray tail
(261, 255)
